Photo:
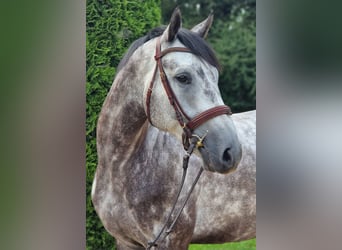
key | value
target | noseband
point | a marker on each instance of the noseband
(188, 124)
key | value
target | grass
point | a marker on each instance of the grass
(243, 245)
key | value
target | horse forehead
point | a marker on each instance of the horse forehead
(184, 60)
(174, 60)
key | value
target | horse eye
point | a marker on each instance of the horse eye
(183, 78)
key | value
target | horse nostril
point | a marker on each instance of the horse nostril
(227, 157)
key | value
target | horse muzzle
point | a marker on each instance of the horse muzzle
(221, 159)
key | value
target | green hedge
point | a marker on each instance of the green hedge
(112, 26)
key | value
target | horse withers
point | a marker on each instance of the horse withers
(164, 96)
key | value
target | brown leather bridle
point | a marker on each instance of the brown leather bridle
(188, 124)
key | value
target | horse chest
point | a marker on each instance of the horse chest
(135, 196)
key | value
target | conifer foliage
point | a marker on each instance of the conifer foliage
(112, 25)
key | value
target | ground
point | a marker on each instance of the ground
(244, 245)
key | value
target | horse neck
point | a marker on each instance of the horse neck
(121, 122)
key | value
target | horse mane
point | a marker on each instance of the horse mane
(189, 39)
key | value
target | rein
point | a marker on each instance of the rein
(195, 143)
(189, 139)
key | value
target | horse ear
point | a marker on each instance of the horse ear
(174, 26)
(202, 28)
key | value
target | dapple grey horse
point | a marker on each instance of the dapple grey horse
(140, 148)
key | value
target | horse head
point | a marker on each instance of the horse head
(191, 71)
